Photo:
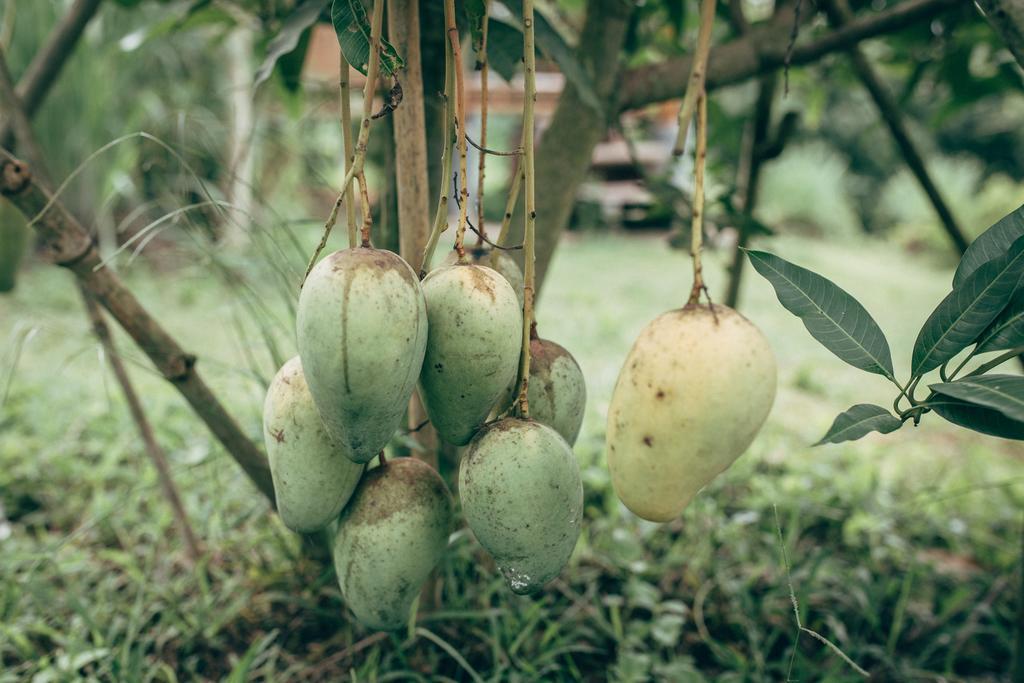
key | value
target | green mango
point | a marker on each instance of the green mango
(312, 477)
(362, 333)
(557, 391)
(496, 259)
(390, 537)
(693, 393)
(476, 330)
(523, 498)
(13, 242)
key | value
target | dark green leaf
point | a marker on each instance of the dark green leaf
(990, 244)
(977, 418)
(353, 30)
(474, 11)
(504, 48)
(959, 320)
(832, 316)
(289, 66)
(858, 421)
(553, 45)
(1006, 331)
(1004, 393)
(288, 38)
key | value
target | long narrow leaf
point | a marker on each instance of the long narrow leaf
(858, 421)
(287, 39)
(1004, 393)
(990, 244)
(353, 30)
(833, 317)
(960, 319)
(977, 418)
(1007, 330)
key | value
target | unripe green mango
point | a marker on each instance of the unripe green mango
(390, 536)
(313, 479)
(557, 392)
(13, 241)
(476, 330)
(693, 393)
(523, 498)
(495, 259)
(362, 332)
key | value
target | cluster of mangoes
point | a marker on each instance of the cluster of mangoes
(368, 332)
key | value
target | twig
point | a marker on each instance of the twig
(492, 152)
(513, 195)
(460, 122)
(796, 611)
(483, 239)
(697, 223)
(345, 89)
(698, 74)
(441, 215)
(359, 157)
(529, 275)
(482, 147)
(153, 450)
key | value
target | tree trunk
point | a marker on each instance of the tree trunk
(240, 159)
(564, 151)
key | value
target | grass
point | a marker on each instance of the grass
(904, 550)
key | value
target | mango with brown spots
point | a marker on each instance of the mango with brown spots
(362, 332)
(476, 330)
(313, 479)
(521, 491)
(695, 390)
(390, 537)
(497, 260)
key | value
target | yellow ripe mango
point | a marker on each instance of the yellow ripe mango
(693, 393)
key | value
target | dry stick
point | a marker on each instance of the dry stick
(344, 85)
(529, 275)
(359, 157)
(441, 215)
(481, 168)
(697, 225)
(698, 73)
(460, 122)
(153, 449)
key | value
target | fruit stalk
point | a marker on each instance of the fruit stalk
(482, 166)
(345, 88)
(359, 157)
(698, 74)
(529, 275)
(697, 226)
(513, 197)
(441, 215)
(460, 122)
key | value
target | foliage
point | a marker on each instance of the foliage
(982, 313)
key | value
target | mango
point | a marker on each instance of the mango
(693, 393)
(362, 332)
(557, 392)
(496, 259)
(313, 479)
(523, 498)
(472, 350)
(390, 537)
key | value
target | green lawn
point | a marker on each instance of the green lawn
(904, 550)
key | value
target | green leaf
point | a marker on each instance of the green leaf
(1007, 330)
(353, 30)
(1004, 393)
(858, 421)
(504, 48)
(990, 244)
(977, 418)
(833, 317)
(290, 35)
(959, 320)
(554, 46)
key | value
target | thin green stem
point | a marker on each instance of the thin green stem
(460, 122)
(359, 156)
(346, 131)
(482, 164)
(697, 224)
(529, 276)
(441, 215)
(698, 73)
(513, 197)
(998, 360)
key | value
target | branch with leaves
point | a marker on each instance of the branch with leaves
(983, 314)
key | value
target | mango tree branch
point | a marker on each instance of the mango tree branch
(67, 244)
(698, 71)
(47, 63)
(839, 14)
(448, 117)
(345, 93)
(460, 122)
(529, 275)
(764, 49)
(481, 60)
